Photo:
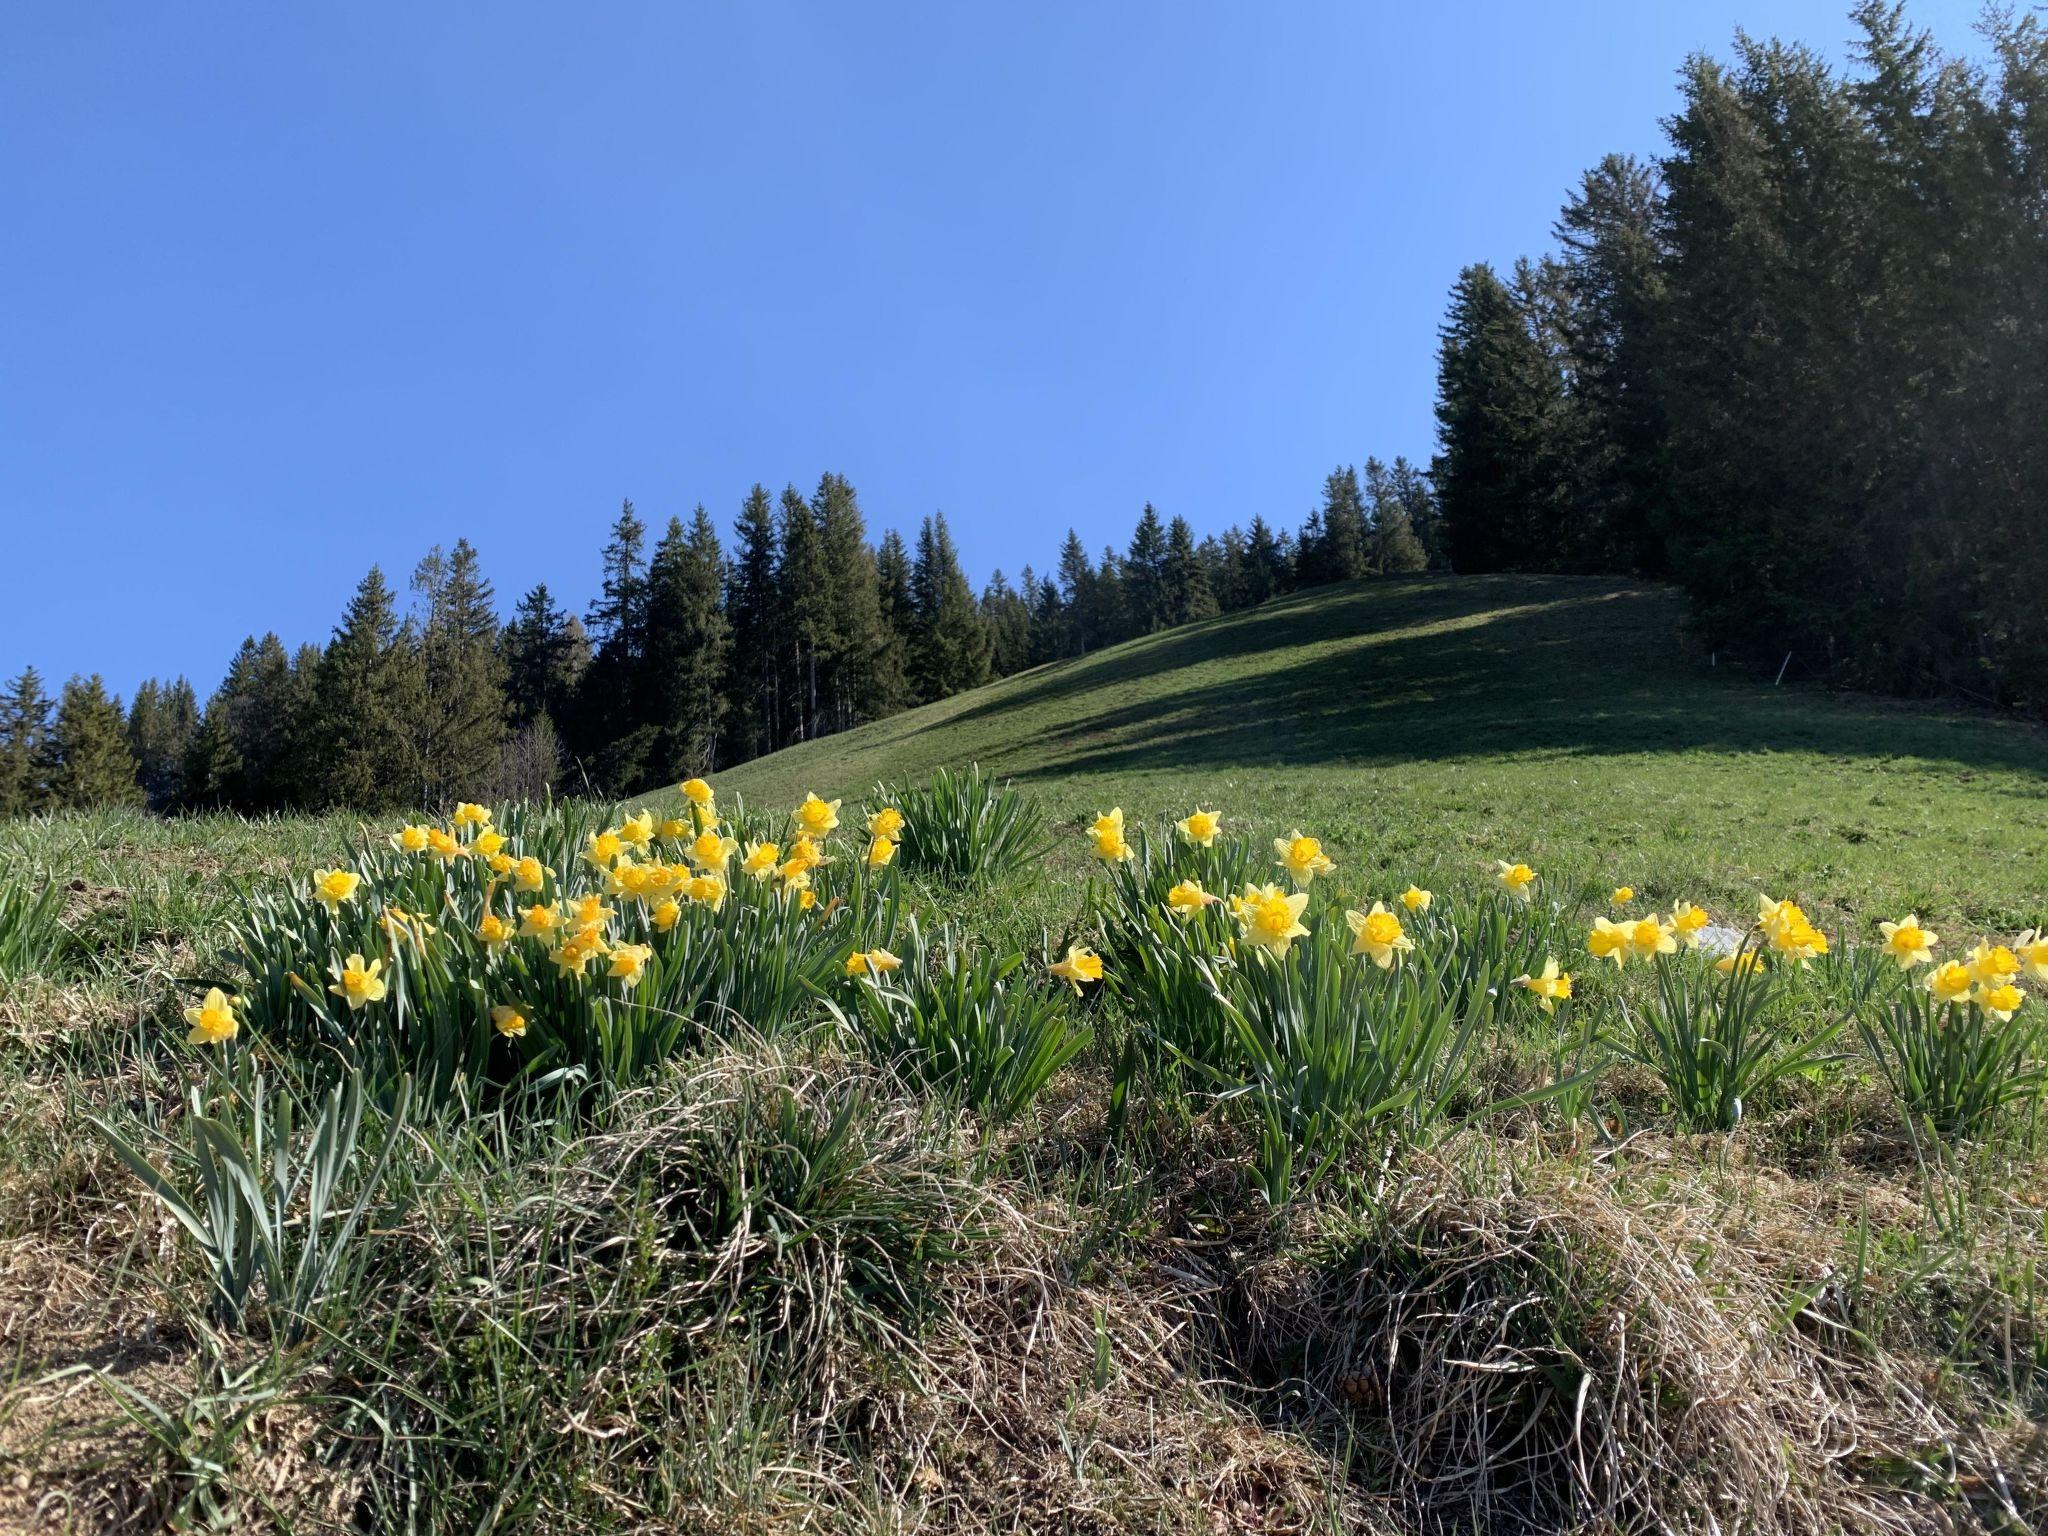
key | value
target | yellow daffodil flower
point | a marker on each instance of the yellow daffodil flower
(540, 921)
(1786, 928)
(815, 817)
(1908, 943)
(357, 982)
(1993, 964)
(442, 845)
(1648, 938)
(529, 874)
(1518, 880)
(493, 931)
(1623, 895)
(2032, 949)
(1082, 964)
(1188, 898)
(2000, 1002)
(886, 822)
(508, 1021)
(1303, 858)
(667, 914)
(410, 839)
(1270, 917)
(1416, 899)
(500, 864)
(880, 852)
(1377, 935)
(1950, 982)
(698, 793)
(1609, 941)
(1108, 836)
(469, 814)
(636, 832)
(1200, 827)
(710, 851)
(708, 890)
(602, 848)
(589, 912)
(335, 886)
(1551, 987)
(806, 854)
(1686, 921)
(213, 1021)
(574, 954)
(761, 860)
(487, 843)
(1743, 962)
(629, 962)
(675, 829)
(871, 962)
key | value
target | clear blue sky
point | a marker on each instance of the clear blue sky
(292, 289)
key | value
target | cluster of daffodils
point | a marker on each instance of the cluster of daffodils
(1987, 977)
(1269, 915)
(656, 868)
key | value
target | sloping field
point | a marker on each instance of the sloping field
(1442, 720)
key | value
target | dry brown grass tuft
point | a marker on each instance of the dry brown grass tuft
(1532, 1346)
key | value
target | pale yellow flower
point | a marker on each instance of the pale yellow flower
(871, 962)
(629, 962)
(817, 817)
(1518, 880)
(1377, 935)
(1303, 858)
(1188, 898)
(1551, 986)
(1108, 835)
(887, 822)
(357, 982)
(213, 1021)
(880, 852)
(508, 1021)
(335, 886)
(1908, 943)
(1270, 917)
(1200, 827)
(1416, 899)
(1082, 964)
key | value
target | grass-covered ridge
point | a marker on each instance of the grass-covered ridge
(1441, 721)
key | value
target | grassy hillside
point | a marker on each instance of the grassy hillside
(1439, 721)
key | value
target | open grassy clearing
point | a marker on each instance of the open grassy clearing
(1427, 726)
(818, 1270)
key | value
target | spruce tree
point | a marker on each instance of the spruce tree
(1079, 599)
(1184, 592)
(894, 689)
(162, 720)
(854, 640)
(212, 767)
(368, 699)
(753, 606)
(607, 709)
(1144, 576)
(1266, 564)
(1393, 549)
(91, 762)
(546, 654)
(1418, 503)
(1008, 619)
(24, 745)
(1502, 475)
(1338, 552)
(803, 588)
(463, 724)
(687, 644)
(953, 646)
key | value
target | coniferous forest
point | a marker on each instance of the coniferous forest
(1796, 364)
